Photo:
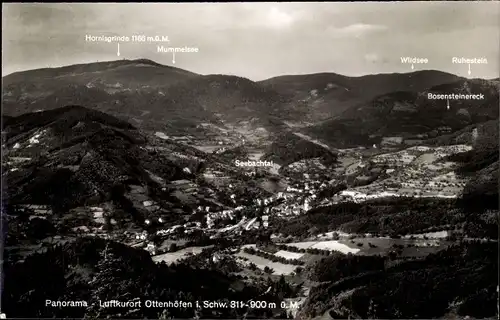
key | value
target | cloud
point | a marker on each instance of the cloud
(357, 30)
(244, 16)
(279, 18)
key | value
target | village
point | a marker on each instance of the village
(301, 194)
(419, 172)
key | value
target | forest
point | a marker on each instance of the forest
(391, 217)
(92, 269)
(461, 280)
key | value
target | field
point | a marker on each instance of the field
(425, 158)
(332, 245)
(431, 235)
(255, 156)
(415, 246)
(165, 245)
(261, 263)
(171, 257)
(410, 248)
(289, 255)
(208, 148)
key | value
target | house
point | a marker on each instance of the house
(151, 248)
(141, 236)
(216, 258)
(306, 205)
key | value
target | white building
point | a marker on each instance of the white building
(306, 205)
(151, 248)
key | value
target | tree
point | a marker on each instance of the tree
(164, 315)
(173, 247)
(109, 268)
(268, 270)
(299, 270)
(282, 288)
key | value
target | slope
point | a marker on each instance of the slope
(289, 147)
(423, 288)
(410, 116)
(74, 156)
(324, 95)
(148, 110)
(481, 165)
(64, 161)
(147, 94)
(94, 269)
(231, 98)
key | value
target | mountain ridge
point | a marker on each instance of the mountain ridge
(324, 74)
(162, 98)
(122, 62)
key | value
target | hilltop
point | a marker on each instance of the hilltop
(131, 74)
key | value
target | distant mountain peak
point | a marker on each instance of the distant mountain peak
(97, 66)
(425, 72)
(146, 61)
(333, 75)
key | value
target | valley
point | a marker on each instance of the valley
(118, 198)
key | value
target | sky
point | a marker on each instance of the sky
(259, 40)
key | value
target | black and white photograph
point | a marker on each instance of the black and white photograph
(250, 160)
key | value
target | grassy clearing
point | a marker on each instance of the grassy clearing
(261, 263)
(332, 245)
(172, 257)
(289, 255)
(410, 248)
